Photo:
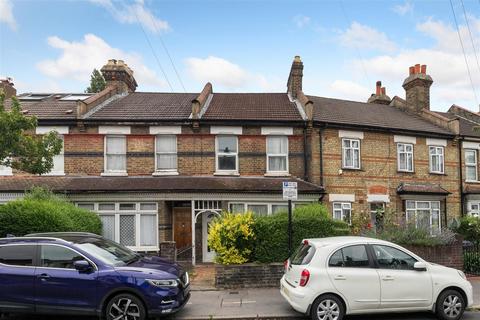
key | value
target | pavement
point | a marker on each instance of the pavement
(259, 304)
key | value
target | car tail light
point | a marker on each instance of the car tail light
(285, 265)
(304, 278)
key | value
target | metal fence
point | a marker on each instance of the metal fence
(471, 258)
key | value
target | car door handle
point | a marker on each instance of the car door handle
(43, 276)
(339, 277)
(388, 278)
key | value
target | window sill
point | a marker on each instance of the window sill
(114, 174)
(165, 173)
(401, 171)
(143, 249)
(226, 173)
(352, 169)
(277, 174)
(54, 174)
(472, 181)
(438, 173)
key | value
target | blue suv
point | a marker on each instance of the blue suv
(85, 274)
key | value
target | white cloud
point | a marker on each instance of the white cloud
(445, 63)
(349, 90)
(403, 9)
(135, 12)
(365, 37)
(229, 75)
(301, 20)
(6, 14)
(78, 59)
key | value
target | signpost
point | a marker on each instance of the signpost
(289, 193)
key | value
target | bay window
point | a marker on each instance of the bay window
(424, 215)
(131, 224)
(227, 154)
(166, 153)
(350, 153)
(405, 157)
(277, 154)
(436, 159)
(115, 154)
(471, 170)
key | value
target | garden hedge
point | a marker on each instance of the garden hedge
(41, 211)
(311, 221)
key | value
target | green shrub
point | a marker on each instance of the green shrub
(410, 235)
(471, 262)
(232, 238)
(310, 221)
(42, 211)
(469, 228)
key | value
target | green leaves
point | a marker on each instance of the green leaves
(20, 148)
(97, 82)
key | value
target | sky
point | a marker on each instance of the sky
(246, 46)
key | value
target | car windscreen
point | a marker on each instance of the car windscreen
(108, 252)
(303, 254)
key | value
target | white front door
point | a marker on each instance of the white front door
(401, 286)
(207, 252)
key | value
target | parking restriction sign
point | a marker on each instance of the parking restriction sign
(289, 190)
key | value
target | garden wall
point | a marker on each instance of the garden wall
(448, 255)
(249, 275)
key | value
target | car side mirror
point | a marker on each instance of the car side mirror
(420, 266)
(82, 266)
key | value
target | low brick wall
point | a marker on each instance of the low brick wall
(250, 275)
(168, 250)
(449, 255)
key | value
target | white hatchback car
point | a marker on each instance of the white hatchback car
(330, 277)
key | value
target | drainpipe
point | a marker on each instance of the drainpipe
(460, 167)
(321, 156)
(306, 153)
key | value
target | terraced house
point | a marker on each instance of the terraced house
(157, 167)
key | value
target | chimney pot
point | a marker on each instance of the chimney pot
(384, 91)
(424, 69)
(412, 70)
(417, 68)
(378, 88)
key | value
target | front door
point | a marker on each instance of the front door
(208, 253)
(59, 286)
(401, 285)
(182, 228)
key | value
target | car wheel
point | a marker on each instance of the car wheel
(450, 305)
(125, 307)
(327, 307)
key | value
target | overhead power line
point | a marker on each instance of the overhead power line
(471, 36)
(168, 54)
(153, 51)
(463, 50)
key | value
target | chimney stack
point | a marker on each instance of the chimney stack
(417, 88)
(294, 84)
(118, 74)
(380, 95)
(7, 86)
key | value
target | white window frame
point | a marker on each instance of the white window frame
(471, 211)
(441, 158)
(414, 211)
(471, 164)
(344, 207)
(137, 212)
(217, 154)
(269, 204)
(107, 172)
(344, 149)
(412, 153)
(5, 171)
(166, 171)
(281, 172)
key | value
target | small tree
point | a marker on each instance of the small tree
(97, 82)
(19, 148)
